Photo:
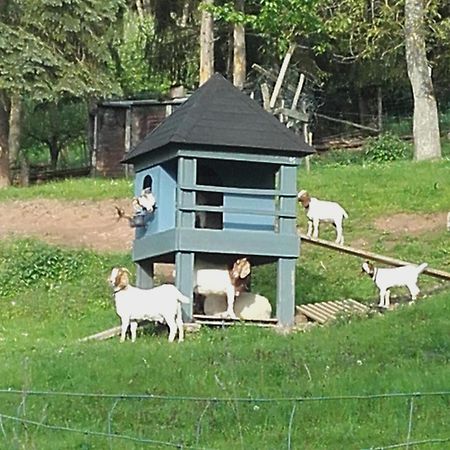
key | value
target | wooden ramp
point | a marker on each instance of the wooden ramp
(323, 312)
(441, 274)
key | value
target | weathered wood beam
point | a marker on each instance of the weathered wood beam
(266, 96)
(271, 76)
(298, 91)
(293, 114)
(281, 75)
(107, 334)
(441, 274)
(347, 122)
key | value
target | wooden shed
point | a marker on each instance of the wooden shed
(116, 126)
(223, 172)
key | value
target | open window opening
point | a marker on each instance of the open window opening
(207, 176)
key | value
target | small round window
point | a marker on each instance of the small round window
(148, 182)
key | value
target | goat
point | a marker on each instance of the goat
(248, 306)
(159, 304)
(322, 211)
(220, 279)
(385, 279)
(145, 202)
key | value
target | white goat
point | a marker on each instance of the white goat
(392, 277)
(322, 211)
(219, 279)
(146, 201)
(248, 306)
(159, 304)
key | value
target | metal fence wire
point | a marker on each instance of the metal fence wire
(110, 437)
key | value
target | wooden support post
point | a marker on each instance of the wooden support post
(144, 274)
(286, 291)
(298, 91)
(184, 280)
(266, 96)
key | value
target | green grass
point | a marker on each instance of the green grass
(73, 189)
(50, 297)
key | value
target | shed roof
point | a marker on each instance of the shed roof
(219, 114)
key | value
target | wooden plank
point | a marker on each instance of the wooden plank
(271, 76)
(199, 317)
(266, 96)
(292, 114)
(333, 306)
(357, 305)
(347, 122)
(111, 332)
(301, 81)
(337, 305)
(311, 312)
(441, 274)
(279, 82)
(325, 310)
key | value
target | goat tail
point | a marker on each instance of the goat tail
(344, 213)
(422, 267)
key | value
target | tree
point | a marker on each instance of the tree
(206, 43)
(54, 125)
(239, 53)
(426, 123)
(63, 54)
(368, 34)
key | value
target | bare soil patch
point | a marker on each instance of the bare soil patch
(77, 224)
(94, 224)
(412, 224)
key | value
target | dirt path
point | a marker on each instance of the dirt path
(86, 224)
(94, 225)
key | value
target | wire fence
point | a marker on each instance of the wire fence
(109, 436)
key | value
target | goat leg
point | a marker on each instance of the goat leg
(133, 328)
(123, 332)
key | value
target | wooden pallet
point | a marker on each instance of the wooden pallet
(324, 312)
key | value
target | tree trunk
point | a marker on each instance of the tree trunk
(380, 108)
(54, 152)
(4, 149)
(206, 44)
(239, 54)
(15, 122)
(427, 143)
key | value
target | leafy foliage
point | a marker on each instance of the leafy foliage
(29, 264)
(386, 147)
(54, 125)
(65, 52)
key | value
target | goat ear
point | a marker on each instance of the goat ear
(246, 269)
(122, 278)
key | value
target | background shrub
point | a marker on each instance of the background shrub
(386, 147)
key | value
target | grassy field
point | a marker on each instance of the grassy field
(334, 387)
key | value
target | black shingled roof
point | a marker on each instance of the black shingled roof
(221, 115)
